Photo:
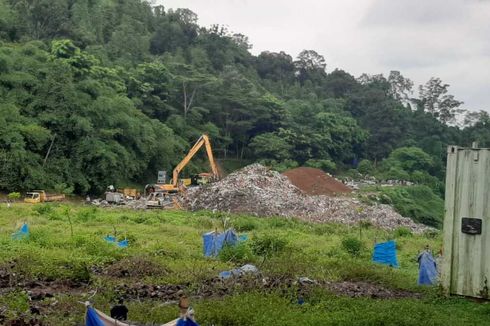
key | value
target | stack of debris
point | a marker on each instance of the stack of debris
(260, 191)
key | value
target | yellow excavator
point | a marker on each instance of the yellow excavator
(178, 185)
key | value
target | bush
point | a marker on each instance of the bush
(13, 195)
(43, 209)
(353, 246)
(240, 253)
(402, 232)
(63, 188)
(243, 224)
(325, 165)
(417, 202)
(268, 245)
(86, 215)
(365, 167)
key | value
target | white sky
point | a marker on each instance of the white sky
(449, 39)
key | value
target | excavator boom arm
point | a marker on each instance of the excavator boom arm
(203, 140)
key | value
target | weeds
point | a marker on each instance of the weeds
(352, 246)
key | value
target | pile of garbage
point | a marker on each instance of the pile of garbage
(259, 191)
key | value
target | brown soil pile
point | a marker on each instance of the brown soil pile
(315, 182)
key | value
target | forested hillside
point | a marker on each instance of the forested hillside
(98, 92)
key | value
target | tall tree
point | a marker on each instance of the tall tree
(434, 98)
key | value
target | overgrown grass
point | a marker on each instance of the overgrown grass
(171, 240)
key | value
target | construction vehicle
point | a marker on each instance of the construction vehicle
(119, 196)
(177, 184)
(40, 196)
(160, 194)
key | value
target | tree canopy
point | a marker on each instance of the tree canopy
(94, 92)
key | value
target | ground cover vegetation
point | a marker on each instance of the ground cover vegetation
(65, 260)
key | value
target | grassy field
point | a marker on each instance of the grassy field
(67, 257)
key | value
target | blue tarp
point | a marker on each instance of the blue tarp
(22, 233)
(213, 242)
(385, 253)
(111, 239)
(186, 322)
(243, 237)
(92, 318)
(427, 269)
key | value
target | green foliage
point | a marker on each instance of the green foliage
(365, 167)
(353, 246)
(13, 195)
(244, 224)
(268, 245)
(325, 165)
(402, 232)
(238, 254)
(410, 159)
(271, 146)
(418, 202)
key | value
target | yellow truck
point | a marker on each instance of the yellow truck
(40, 196)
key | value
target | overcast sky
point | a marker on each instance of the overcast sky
(449, 39)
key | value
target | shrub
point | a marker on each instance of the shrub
(365, 167)
(243, 224)
(86, 215)
(325, 165)
(13, 195)
(43, 209)
(267, 245)
(402, 232)
(352, 245)
(417, 202)
(240, 253)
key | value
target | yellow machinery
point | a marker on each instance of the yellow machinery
(40, 196)
(179, 184)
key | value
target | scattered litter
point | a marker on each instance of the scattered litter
(213, 241)
(385, 253)
(306, 280)
(259, 191)
(22, 233)
(245, 269)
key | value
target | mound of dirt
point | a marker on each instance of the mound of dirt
(259, 191)
(315, 182)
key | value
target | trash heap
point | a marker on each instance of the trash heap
(259, 191)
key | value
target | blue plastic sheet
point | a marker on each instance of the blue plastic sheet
(186, 322)
(213, 242)
(121, 244)
(385, 253)
(22, 233)
(427, 269)
(243, 237)
(92, 318)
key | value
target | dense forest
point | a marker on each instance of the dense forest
(98, 92)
